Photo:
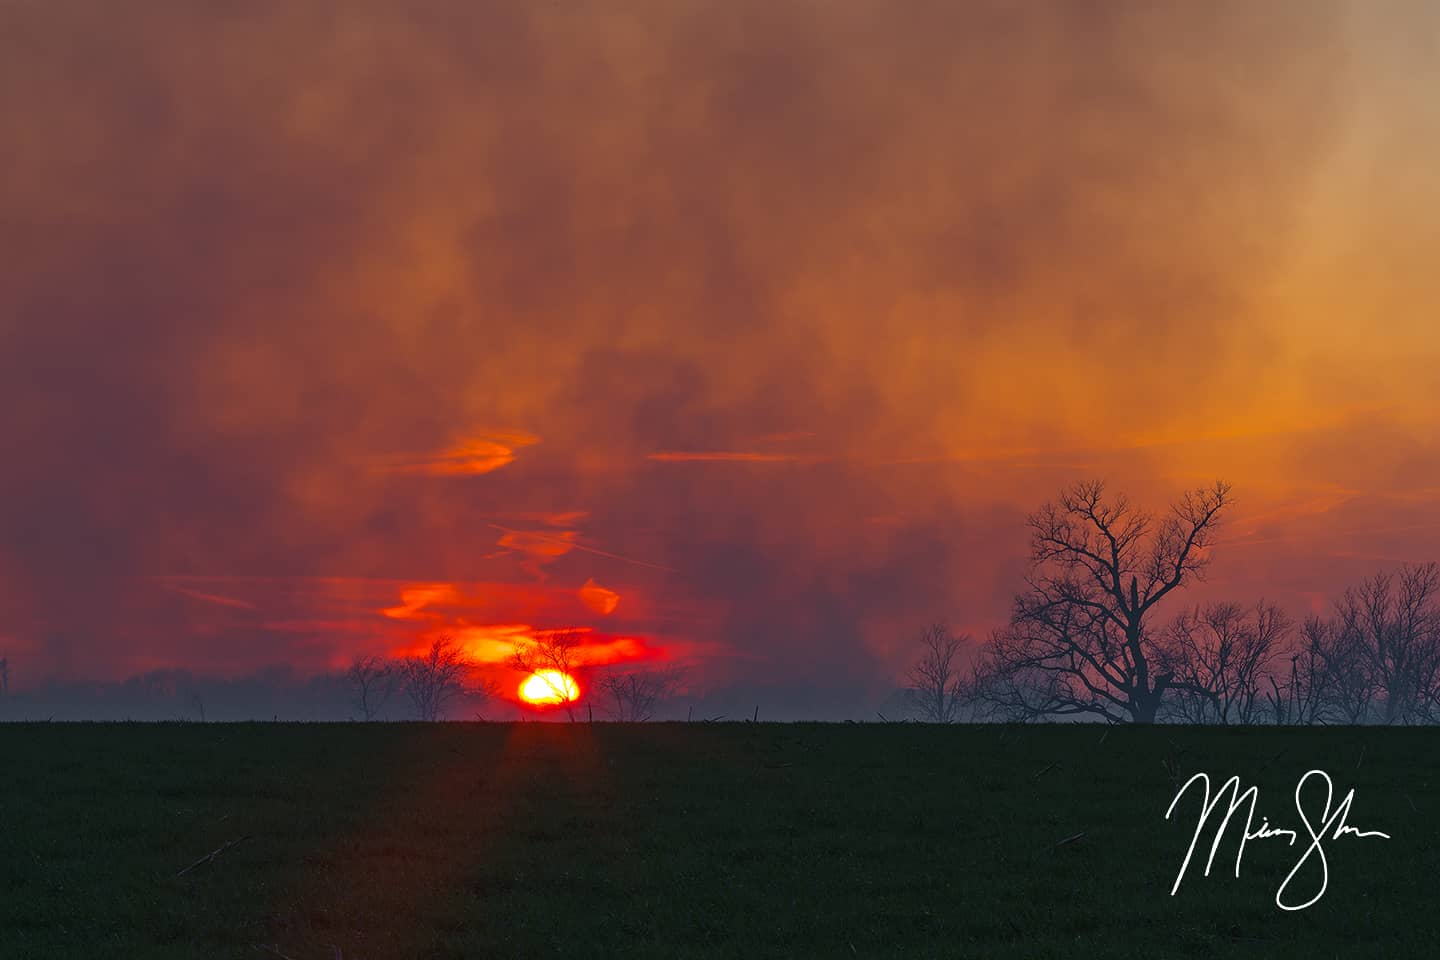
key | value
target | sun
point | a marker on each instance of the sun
(549, 686)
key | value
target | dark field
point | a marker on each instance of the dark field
(692, 840)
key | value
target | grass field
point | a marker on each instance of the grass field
(691, 840)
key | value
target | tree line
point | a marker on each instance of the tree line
(433, 680)
(1098, 632)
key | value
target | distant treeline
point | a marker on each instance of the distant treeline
(172, 694)
(1098, 633)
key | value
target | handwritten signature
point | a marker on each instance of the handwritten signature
(1332, 826)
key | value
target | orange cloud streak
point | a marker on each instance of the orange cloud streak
(527, 541)
(414, 599)
(469, 457)
(599, 599)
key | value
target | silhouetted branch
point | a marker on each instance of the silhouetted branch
(434, 679)
(935, 684)
(1080, 639)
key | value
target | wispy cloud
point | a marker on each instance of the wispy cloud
(475, 455)
(1247, 526)
(414, 600)
(212, 597)
(551, 545)
(598, 598)
(568, 519)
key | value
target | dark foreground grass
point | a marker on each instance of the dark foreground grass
(691, 840)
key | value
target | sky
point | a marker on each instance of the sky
(742, 336)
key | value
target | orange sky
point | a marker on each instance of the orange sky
(768, 320)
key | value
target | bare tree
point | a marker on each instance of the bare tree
(1377, 658)
(1337, 673)
(632, 697)
(1080, 639)
(1350, 690)
(1010, 690)
(935, 684)
(1306, 695)
(434, 679)
(372, 682)
(1392, 624)
(1221, 654)
(553, 655)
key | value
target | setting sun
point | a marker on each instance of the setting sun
(549, 686)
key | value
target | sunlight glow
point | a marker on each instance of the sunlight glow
(548, 687)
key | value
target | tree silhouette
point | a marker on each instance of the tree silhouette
(372, 682)
(552, 650)
(633, 696)
(1221, 654)
(1392, 623)
(935, 685)
(435, 678)
(1081, 638)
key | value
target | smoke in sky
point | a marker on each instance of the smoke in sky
(746, 332)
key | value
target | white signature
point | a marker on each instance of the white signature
(1329, 821)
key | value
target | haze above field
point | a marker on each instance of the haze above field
(742, 334)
